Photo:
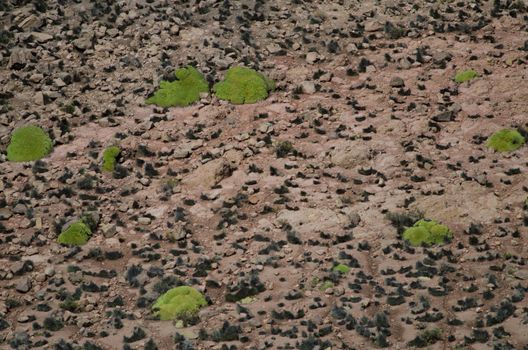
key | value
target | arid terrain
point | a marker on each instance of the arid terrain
(254, 205)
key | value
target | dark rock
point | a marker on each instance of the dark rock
(446, 116)
(397, 82)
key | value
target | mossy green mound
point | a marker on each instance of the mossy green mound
(506, 140)
(109, 158)
(182, 303)
(77, 233)
(427, 232)
(466, 75)
(325, 285)
(28, 143)
(243, 85)
(181, 92)
(341, 268)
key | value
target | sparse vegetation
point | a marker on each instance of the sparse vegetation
(243, 85)
(427, 232)
(77, 233)
(182, 303)
(341, 268)
(283, 148)
(466, 75)
(110, 155)
(181, 92)
(325, 285)
(506, 140)
(426, 337)
(187, 202)
(28, 143)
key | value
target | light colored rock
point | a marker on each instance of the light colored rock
(41, 37)
(309, 220)
(19, 58)
(109, 230)
(311, 57)
(38, 98)
(521, 274)
(5, 213)
(373, 26)
(49, 271)
(144, 220)
(350, 155)
(208, 174)
(23, 285)
(84, 42)
(351, 48)
(308, 87)
(273, 48)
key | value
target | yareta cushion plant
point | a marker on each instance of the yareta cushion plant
(110, 155)
(243, 85)
(427, 232)
(341, 268)
(466, 75)
(28, 143)
(506, 140)
(181, 92)
(76, 234)
(180, 303)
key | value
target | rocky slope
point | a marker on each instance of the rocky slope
(254, 205)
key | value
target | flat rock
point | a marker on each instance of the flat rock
(349, 155)
(5, 213)
(23, 285)
(209, 174)
(19, 58)
(521, 274)
(83, 43)
(41, 37)
(308, 87)
(308, 220)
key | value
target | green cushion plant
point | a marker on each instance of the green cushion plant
(77, 233)
(28, 143)
(341, 268)
(181, 92)
(243, 85)
(110, 155)
(506, 140)
(427, 232)
(325, 285)
(466, 75)
(180, 303)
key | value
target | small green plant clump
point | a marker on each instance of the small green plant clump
(426, 338)
(76, 234)
(109, 158)
(325, 285)
(28, 143)
(466, 75)
(506, 140)
(71, 305)
(341, 268)
(243, 85)
(283, 148)
(181, 303)
(181, 92)
(427, 232)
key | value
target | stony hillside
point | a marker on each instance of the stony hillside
(288, 215)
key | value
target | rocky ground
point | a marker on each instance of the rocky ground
(255, 204)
